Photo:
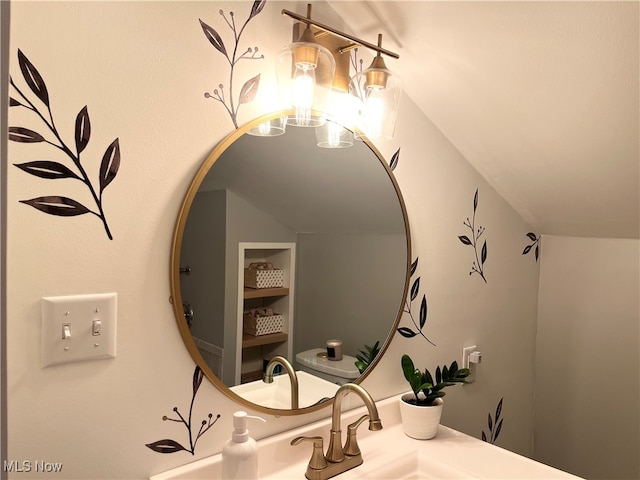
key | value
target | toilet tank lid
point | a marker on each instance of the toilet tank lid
(344, 368)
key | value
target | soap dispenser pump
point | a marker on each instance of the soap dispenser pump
(240, 452)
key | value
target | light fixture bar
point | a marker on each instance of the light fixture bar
(332, 30)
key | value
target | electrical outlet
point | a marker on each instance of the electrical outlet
(466, 351)
(78, 327)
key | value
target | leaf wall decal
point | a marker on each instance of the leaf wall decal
(249, 89)
(464, 239)
(483, 254)
(83, 130)
(415, 288)
(406, 332)
(110, 164)
(24, 135)
(14, 103)
(257, 7)
(197, 379)
(423, 311)
(475, 201)
(414, 266)
(532, 236)
(213, 37)
(395, 158)
(165, 446)
(33, 78)
(47, 169)
(57, 205)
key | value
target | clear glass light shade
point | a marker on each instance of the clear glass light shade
(270, 128)
(305, 75)
(376, 92)
(333, 135)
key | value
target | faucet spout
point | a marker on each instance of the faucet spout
(268, 377)
(335, 451)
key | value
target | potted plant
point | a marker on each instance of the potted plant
(421, 408)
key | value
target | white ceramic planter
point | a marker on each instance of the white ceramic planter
(420, 423)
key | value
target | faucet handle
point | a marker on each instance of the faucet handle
(351, 446)
(317, 462)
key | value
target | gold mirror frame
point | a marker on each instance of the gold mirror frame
(176, 294)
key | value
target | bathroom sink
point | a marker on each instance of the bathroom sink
(413, 465)
(278, 394)
(388, 454)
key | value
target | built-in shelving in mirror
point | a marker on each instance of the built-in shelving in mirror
(332, 220)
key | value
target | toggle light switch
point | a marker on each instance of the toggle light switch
(66, 331)
(96, 328)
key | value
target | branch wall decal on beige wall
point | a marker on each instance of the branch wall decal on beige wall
(57, 204)
(250, 87)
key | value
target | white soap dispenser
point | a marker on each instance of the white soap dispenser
(240, 452)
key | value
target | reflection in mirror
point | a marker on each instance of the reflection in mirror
(328, 226)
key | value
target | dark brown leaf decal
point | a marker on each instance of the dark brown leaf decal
(197, 379)
(33, 78)
(165, 446)
(464, 239)
(257, 7)
(536, 240)
(55, 205)
(83, 130)
(24, 135)
(47, 169)
(214, 38)
(394, 160)
(110, 164)
(249, 89)
(14, 103)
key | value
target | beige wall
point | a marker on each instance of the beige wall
(587, 382)
(142, 69)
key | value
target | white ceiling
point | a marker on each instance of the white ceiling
(542, 98)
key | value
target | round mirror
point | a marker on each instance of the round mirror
(285, 249)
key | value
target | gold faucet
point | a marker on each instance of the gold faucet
(339, 459)
(268, 377)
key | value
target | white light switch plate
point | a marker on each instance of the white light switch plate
(88, 322)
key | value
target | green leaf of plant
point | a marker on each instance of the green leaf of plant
(438, 374)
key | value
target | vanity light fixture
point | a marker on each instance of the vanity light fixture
(368, 102)
(377, 92)
(305, 71)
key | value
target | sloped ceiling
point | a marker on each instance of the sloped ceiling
(542, 98)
